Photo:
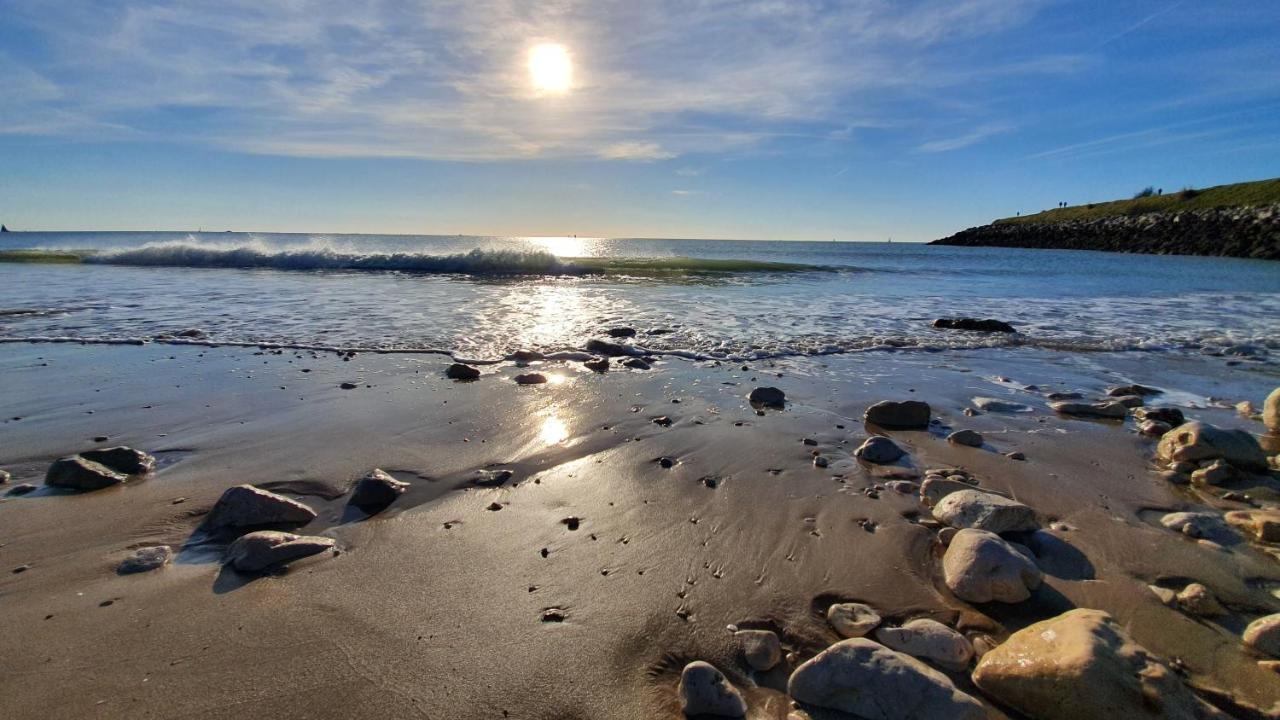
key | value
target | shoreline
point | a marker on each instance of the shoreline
(428, 597)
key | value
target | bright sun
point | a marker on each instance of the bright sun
(550, 68)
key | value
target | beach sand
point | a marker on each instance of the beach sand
(438, 606)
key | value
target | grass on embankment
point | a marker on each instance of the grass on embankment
(1260, 192)
(39, 256)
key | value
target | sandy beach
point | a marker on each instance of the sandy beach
(648, 514)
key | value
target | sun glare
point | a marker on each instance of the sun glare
(554, 431)
(550, 68)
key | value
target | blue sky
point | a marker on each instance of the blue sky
(857, 120)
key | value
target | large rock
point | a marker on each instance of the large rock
(121, 459)
(1271, 411)
(929, 640)
(935, 488)
(1081, 664)
(973, 324)
(459, 371)
(1263, 635)
(767, 396)
(1100, 409)
(245, 506)
(265, 549)
(907, 415)
(1206, 525)
(1170, 415)
(988, 404)
(852, 620)
(879, 450)
(375, 491)
(146, 559)
(77, 473)
(1135, 389)
(872, 682)
(761, 648)
(704, 690)
(604, 347)
(968, 438)
(984, 511)
(980, 567)
(1261, 525)
(1196, 441)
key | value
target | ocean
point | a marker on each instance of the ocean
(485, 297)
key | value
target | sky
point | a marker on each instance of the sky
(856, 120)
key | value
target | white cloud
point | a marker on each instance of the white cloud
(972, 137)
(635, 151)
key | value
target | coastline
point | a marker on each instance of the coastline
(436, 607)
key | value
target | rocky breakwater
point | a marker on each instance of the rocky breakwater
(1252, 232)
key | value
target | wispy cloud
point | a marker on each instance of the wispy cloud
(957, 142)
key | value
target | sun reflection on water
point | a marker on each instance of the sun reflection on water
(554, 431)
(564, 246)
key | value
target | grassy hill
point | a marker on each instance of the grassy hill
(1259, 192)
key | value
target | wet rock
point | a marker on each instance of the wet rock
(973, 324)
(760, 648)
(1164, 595)
(1154, 428)
(600, 365)
(375, 491)
(1261, 525)
(1214, 473)
(1196, 441)
(935, 488)
(870, 681)
(4, 476)
(1271, 411)
(879, 450)
(1208, 526)
(852, 620)
(704, 690)
(636, 364)
(1081, 664)
(984, 511)
(1170, 415)
(458, 371)
(526, 356)
(531, 379)
(663, 421)
(77, 473)
(820, 461)
(980, 567)
(908, 415)
(121, 459)
(622, 332)
(1199, 600)
(1102, 409)
(968, 438)
(348, 385)
(264, 549)
(1056, 396)
(22, 489)
(987, 404)
(767, 397)
(1130, 401)
(1015, 455)
(492, 478)
(1135, 389)
(146, 559)
(1263, 635)
(245, 506)
(906, 487)
(604, 347)
(928, 640)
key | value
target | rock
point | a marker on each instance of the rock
(704, 690)
(77, 473)
(526, 356)
(622, 332)
(264, 549)
(1165, 595)
(872, 682)
(4, 476)
(973, 324)
(879, 450)
(1199, 600)
(636, 364)
(984, 511)
(531, 379)
(935, 488)
(1154, 428)
(1263, 635)
(1195, 441)
(761, 648)
(124, 460)
(1214, 473)
(146, 559)
(348, 385)
(980, 567)
(375, 491)
(851, 620)
(908, 415)
(22, 489)
(1130, 401)
(1172, 416)
(1056, 396)
(600, 365)
(195, 333)
(458, 371)
(1016, 455)
(1271, 411)
(968, 438)
(1198, 525)
(1135, 389)
(987, 404)
(604, 347)
(928, 640)
(767, 397)
(906, 487)
(1081, 664)
(1245, 408)
(1261, 525)
(1102, 409)
(245, 506)
(820, 461)
(946, 535)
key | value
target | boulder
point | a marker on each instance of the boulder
(935, 488)
(245, 506)
(531, 379)
(604, 347)
(77, 473)
(458, 371)
(987, 404)
(1199, 525)
(1100, 409)
(908, 415)
(146, 559)
(973, 324)
(1170, 415)
(872, 682)
(636, 364)
(1195, 441)
(121, 459)
(1154, 428)
(980, 567)
(704, 690)
(265, 549)
(1135, 389)
(760, 648)
(767, 397)
(1261, 525)
(375, 491)
(851, 620)
(984, 511)
(1263, 635)
(968, 438)
(879, 450)
(1271, 411)
(1081, 664)
(928, 640)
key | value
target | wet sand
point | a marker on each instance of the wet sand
(437, 607)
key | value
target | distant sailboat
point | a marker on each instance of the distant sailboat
(3, 228)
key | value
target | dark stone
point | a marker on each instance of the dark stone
(600, 365)
(1139, 390)
(348, 386)
(622, 332)
(375, 491)
(526, 356)
(247, 506)
(1172, 416)
(636, 364)
(22, 489)
(77, 473)
(124, 460)
(907, 415)
(768, 397)
(265, 549)
(531, 379)
(604, 347)
(973, 324)
(664, 421)
(458, 371)
(146, 559)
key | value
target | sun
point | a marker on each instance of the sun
(550, 68)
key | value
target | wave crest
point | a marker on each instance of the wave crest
(476, 262)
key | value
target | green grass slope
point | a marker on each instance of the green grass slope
(1260, 192)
